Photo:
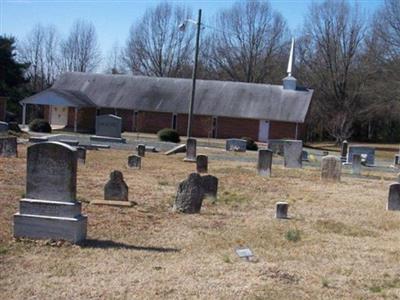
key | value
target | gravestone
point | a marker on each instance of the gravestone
(81, 154)
(49, 209)
(264, 162)
(116, 188)
(398, 177)
(70, 142)
(141, 150)
(331, 168)
(276, 146)
(304, 155)
(202, 163)
(8, 146)
(177, 149)
(394, 197)
(238, 145)
(115, 191)
(210, 186)
(368, 151)
(281, 210)
(108, 129)
(3, 128)
(190, 150)
(190, 195)
(292, 152)
(343, 151)
(356, 165)
(396, 160)
(135, 161)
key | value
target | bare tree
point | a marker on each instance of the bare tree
(80, 50)
(155, 46)
(40, 50)
(246, 44)
(114, 61)
(331, 51)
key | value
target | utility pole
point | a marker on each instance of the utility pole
(194, 74)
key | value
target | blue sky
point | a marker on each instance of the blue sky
(113, 18)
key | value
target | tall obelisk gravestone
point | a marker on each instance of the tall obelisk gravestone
(49, 209)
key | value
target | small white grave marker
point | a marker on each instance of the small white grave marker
(244, 253)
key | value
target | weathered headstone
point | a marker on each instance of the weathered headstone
(396, 162)
(368, 151)
(190, 195)
(116, 188)
(115, 191)
(398, 177)
(202, 163)
(394, 197)
(81, 154)
(264, 162)
(210, 186)
(343, 151)
(356, 165)
(49, 209)
(177, 149)
(108, 129)
(191, 145)
(141, 150)
(331, 168)
(135, 161)
(304, 155)
(281, 210)
(3, 128)
(8, 146)
(292, 151)
(236, 145)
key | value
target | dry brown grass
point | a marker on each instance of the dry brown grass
(348, 243)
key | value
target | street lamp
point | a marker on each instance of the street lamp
(194, 73)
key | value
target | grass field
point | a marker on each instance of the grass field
(339, 243)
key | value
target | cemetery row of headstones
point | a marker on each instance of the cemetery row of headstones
(49, 208)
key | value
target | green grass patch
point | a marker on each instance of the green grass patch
(293, 235)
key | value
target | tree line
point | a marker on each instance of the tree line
(352, 61)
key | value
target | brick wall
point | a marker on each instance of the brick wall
(284, 130)
(87, 119)
(237, 128)
(46, 113)
(127, 119)
(153, 121)
(201, 125)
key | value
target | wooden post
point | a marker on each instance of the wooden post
(24, 115)
(75, 119)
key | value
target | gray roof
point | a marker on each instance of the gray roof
(213, 98)
(60, 97)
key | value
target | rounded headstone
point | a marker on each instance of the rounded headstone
(116, 188)
(141, 149)
(189, 197)
(202, 163)
(394, 197)
(51, 172)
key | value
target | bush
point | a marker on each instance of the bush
(40, 125)
(168, 135)
(250, 144)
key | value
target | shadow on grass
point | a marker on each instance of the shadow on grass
(108, 244)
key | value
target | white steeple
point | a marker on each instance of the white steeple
(289, 82)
